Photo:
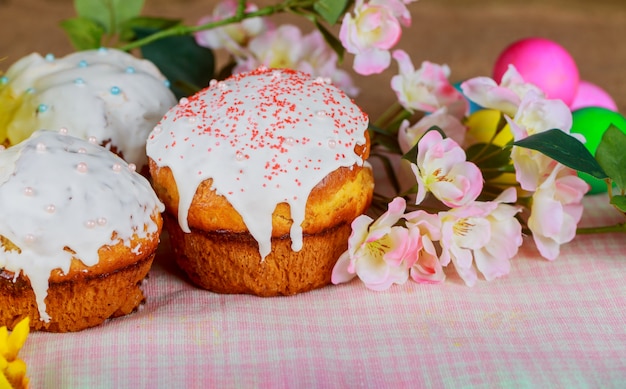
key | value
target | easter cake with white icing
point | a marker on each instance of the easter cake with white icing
(79, 228)
(105, 95)
(261, 176)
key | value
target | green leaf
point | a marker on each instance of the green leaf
(491, 159)
(411, 155)
(488, 155)
(611, 155)
(84, 33)
(331, 10)
(381, 137)
(127, 28)
(619, 202)
(110, 14)
(187, 65)
(565, 149)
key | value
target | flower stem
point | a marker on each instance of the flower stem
(241, 9)
(604, 229)
(240, 15)
(390, 113)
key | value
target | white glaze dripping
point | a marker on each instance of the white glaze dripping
(265, 137)
(53, 196)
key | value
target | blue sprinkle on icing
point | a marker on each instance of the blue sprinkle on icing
(82, 64)
(30, 90)
(42, 108)
(49, 57)
(115, 90)
(130, 70)
(4, 80)
(167, 83)
(79, 81)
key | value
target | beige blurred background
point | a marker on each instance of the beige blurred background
(467, 35)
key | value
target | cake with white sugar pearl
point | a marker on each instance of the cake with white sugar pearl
(105, 95)
(79, 228)
(261, 175)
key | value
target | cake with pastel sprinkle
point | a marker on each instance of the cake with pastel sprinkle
(105, 95)
(79, 228)
(261, 175)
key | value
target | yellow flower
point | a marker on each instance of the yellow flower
(13, 369)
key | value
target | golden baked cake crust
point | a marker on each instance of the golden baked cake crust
(76, 304)
(224, 260)
(87, 295)
(336, 199)
(207, 259)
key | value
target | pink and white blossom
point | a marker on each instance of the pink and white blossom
(441, 168)
(369, 34)
(505, 97)
(408, 135)
(277, 48)
(531, 167)
(317, 56)
(286, 47)
(233, 37)
(486, 234)
(320, 60)
(536, 114)
(556, 210)
(398, 9)
(426, 267)
(379, 252)
(425, 89)
(343, 80)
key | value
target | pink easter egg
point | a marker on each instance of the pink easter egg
(544, 63)
(591, 95)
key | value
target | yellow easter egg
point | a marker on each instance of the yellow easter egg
(483, 125)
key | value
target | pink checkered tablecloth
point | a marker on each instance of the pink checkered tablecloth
(547, 324)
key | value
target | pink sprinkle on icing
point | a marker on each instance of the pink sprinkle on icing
(273, 123)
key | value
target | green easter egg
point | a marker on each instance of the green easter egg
(592, 122)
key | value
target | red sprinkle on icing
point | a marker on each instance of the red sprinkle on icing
(275, 126)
